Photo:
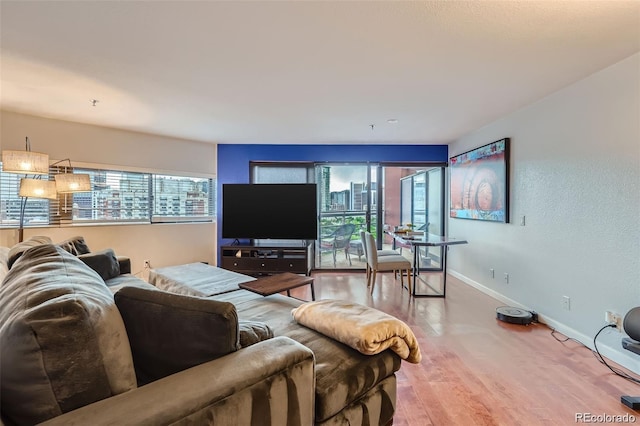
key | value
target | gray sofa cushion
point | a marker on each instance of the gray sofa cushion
(4, 256)
(63, 344)
(75, 246)
(170, 333)
(252, 332)
(16, 251)
(125, 264)
(104, 262)
(127, 280)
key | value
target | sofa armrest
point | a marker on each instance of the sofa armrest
(125, 264)
(273, 379)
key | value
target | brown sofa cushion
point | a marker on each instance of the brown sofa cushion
(63, 344)
(104, 262)
(170, 332)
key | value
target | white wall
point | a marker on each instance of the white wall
(162, 244)
(575, 175)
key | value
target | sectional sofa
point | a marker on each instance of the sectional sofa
(73, 354)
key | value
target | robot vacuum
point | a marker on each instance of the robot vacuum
(514, 315)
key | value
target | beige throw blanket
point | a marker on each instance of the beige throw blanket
(365, 329)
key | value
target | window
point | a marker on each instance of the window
(181, 198)
(116, 196)
(36, 210)
(281, 173)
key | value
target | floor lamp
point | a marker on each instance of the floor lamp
(28, 163)
(25, 162)
(70, 183)
(34, 188)
(64, 183)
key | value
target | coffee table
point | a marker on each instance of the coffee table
(272, 284)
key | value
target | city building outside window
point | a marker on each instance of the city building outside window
(181, 198)
(116, 197)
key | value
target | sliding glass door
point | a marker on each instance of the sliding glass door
(354, 197)
(414, 194)
(348, 202)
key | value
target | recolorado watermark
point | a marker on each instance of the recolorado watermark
(605, 418)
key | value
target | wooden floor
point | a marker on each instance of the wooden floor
(479, 371)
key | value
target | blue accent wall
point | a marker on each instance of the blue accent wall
(233, 160)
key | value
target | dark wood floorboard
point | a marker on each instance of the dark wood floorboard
(480, 371)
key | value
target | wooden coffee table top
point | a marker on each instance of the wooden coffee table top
(272, 284)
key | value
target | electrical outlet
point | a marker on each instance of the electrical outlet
(147, 264)
(566, 303)
(506, 278)
(492, 272)
(522, 221)
(613, 318)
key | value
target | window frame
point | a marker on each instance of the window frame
(151, 217)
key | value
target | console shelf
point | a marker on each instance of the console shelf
(266, 259)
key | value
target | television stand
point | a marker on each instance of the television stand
(268, 258)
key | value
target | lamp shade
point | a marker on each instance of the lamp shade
(72, 182)
(27, 162)
(38, 188)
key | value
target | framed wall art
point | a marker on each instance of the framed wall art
(479, 183)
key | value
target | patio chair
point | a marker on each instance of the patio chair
(338, 240)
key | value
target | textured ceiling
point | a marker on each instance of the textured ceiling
(300, 71)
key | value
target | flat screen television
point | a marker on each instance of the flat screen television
(269, 211)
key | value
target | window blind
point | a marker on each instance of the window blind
(116, 196)
(182, 199)
(36, 210)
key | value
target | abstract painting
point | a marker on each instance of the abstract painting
(480, 183)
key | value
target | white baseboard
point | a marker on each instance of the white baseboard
(614, 355)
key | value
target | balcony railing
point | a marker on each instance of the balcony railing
(331, 220)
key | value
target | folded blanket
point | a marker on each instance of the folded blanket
(365, 329)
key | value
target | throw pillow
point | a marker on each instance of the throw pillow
(63, 344)
(169, 332)
(252, 332)
(76, 246)
(17, 250)
(104, 262)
